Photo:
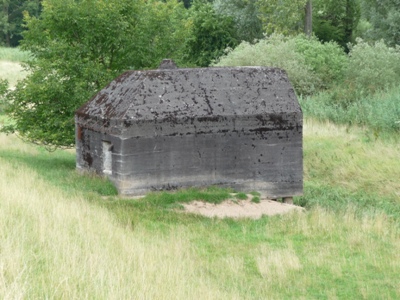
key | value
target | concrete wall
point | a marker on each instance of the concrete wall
(157, 130)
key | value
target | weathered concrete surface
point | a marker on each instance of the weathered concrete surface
(171, 128)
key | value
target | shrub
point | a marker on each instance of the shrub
(327, 60)
(373, 67)
(310, 64)
(275, 51)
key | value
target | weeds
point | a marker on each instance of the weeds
(379, 114)
(241, 196)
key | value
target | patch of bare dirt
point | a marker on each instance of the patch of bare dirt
(240, 208)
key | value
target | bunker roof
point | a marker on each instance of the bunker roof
(181, 94)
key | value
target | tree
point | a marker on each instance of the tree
(384, 16)
(211, 34)
(245, 14)
(308, 19)
(336, 20)
(282, 16)
(78, 46)
(11, 19)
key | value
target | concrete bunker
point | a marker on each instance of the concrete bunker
(239, 127)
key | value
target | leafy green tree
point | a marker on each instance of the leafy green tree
(384, 16)
(77, 48)
(336, 20)
(11, 19)
(211, 34)
(282, 16)
(245, 14)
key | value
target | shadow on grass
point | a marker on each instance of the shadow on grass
(58, 168)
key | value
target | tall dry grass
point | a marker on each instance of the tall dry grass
(10, 67)
(345, 157)
(58, 247)
(12, 71)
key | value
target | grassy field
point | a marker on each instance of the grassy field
(67, 236)
(64, 235)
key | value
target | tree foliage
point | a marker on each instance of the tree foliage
(78, 46)
(245, 14)
(384, 16)
(282, 16)
(336, 20)
(211, 34)
(11, 19)
(3, 92)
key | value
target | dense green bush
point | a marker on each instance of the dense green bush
(327, 60)
(310, 64)
(373, 67)
(275, 51)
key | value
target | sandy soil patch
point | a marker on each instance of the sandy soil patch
(240, 208)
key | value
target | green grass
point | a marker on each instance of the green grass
(241, 196)
(255, 199)
(346, 245)
(59, 170)
(13, 54)
(379, 113)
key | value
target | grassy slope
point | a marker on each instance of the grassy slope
(62, 239)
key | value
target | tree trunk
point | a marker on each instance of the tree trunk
(6, 24)
(308, 22)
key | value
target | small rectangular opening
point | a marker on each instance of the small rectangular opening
(107, 158)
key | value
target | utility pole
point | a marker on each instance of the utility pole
(308, 22)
